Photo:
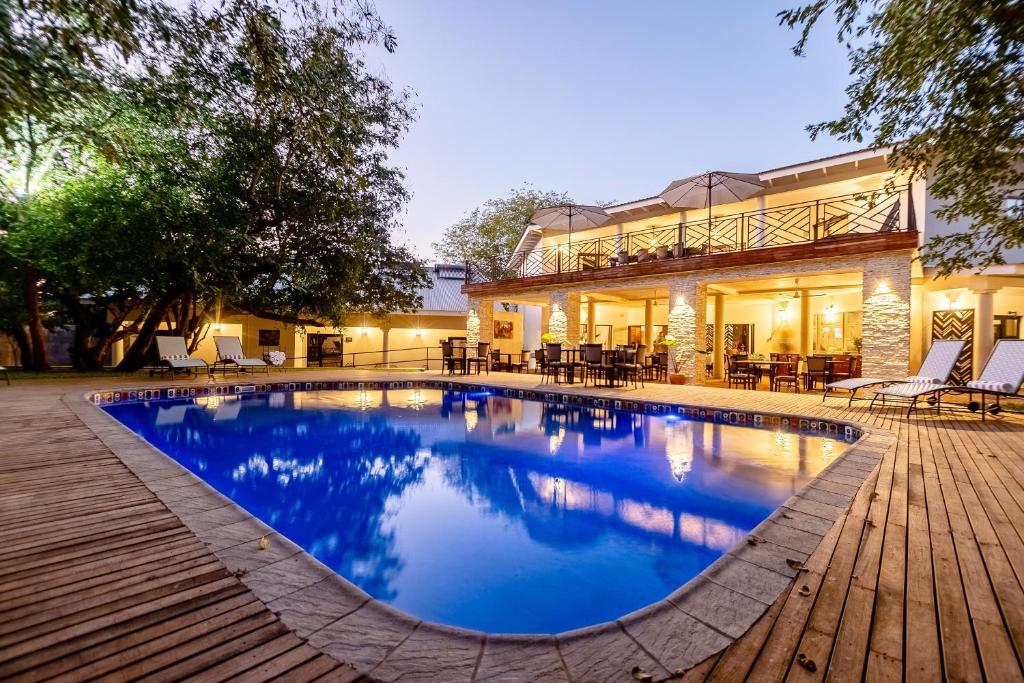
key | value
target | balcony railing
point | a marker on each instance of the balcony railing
(874, 212)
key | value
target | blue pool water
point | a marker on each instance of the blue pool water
(488, 512)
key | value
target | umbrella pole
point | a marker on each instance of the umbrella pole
(709, 214)
(569, 245)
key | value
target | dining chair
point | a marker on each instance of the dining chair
(553, 363)
(594, 365)
(786, 373)
(481, 359)
(628, 366)
(815, 370)
(737, 374)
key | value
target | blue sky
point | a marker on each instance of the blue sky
(604, 100)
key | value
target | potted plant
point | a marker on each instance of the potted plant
(675, 346)
(674, 377)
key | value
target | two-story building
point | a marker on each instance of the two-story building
(814, 257)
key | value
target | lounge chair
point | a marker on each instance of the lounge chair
(229, 352)
(935, 370)
(1001, 377)
(174, 356)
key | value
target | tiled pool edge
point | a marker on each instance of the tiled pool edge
(699, 619)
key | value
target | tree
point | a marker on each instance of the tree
(281, 136)
(53, 52)
(943, 82)
(245, 166)
(488, 235)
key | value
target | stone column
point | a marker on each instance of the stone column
(568, 303)
(649, 325)
(481, 329)
(984, 331)
(886, 330)
(719, 347)
(591, 320)
(687, 302)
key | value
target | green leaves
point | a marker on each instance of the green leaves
(943, 81)
(244, 164)
(488, 235)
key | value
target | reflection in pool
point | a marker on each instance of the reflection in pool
(486, 512)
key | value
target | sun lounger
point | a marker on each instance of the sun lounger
(229, 352)
(1001, 377)
(935, 370)
(174, 356)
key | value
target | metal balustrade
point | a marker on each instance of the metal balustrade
(878, 211)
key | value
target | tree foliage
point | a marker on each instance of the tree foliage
(943, 81)
(487, 236)
(245, 167)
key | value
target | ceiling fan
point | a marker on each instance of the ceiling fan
(797, 293)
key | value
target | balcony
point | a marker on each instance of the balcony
(819, 222)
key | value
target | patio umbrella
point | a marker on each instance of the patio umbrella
(714, 187)
(569, 216)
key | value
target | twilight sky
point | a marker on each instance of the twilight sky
(605, 100)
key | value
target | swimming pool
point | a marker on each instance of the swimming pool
(484, 511)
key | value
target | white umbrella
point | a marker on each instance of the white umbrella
(707, 189)
(568, 216)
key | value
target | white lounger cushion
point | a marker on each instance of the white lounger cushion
(248, 361)
(1003, 374)
(858, 382)
(997, 387)
(185, 362)
(936, 368)
(941, 359)
(910, 389)
(172, 351)
(1004, 371)
(229, 349)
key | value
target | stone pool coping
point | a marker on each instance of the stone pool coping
(697, 620)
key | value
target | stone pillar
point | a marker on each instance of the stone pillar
(687, 302)
(568, 303)
(482, 328)
(719, 348)
(806, 341)
(984, 327)
(649, 325)
(886, 330)
(591, 320)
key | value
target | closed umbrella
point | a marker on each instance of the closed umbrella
(707, 189)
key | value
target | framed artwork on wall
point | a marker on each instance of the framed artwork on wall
(503, 329)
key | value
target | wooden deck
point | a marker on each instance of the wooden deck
(98, 579)
(922, 579)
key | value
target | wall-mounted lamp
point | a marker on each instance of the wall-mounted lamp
(782, 314)
(417, 332)
(883, 288)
